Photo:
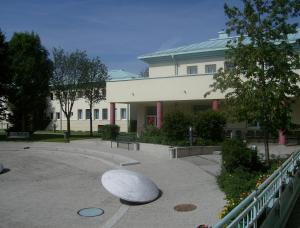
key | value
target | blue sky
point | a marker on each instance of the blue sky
(116, 30)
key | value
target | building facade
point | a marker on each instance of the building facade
(101, 112)
(178, 79)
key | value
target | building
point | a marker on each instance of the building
(178, 79)
(101, 113)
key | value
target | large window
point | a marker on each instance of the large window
(104, 114)
(192, 70)
(210, 69)
(79, 114)
(123, 114)
(96, 114)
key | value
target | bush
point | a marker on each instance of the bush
(176, 126)
(235, 154)
(210, 125)
(151, 135)
(110, 132)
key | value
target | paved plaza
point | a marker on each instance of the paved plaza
(49, 182)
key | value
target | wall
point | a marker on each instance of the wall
(83, 124)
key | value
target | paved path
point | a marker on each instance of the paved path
(49, 182)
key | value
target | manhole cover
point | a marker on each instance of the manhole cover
(90, 212)
(185, 207)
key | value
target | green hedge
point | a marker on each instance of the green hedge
(235, 155)
(110, 132)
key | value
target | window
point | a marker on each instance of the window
(210, 69)
(57, 115)
(79, 113)
(104, 114)
(51, 96)
(51, 115)
(192, 70)
(96, 114)
(87, 114)
(123, 114)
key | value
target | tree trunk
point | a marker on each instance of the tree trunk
(68, 127)
(266, 144)
(91, 121)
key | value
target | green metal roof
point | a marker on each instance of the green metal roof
(117, 75)
(211, 46)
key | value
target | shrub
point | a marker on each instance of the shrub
(110, 132)
(176, 125)
(151, 135)
(210, 125)
(235, 154)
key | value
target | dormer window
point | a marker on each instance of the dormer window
(210, 69)
(192, 70)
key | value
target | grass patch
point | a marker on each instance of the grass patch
(48, 136)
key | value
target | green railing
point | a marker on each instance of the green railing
(266, 200)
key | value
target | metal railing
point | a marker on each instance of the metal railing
(265, 196)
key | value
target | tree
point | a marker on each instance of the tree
(66, 80)
(260, 82)
(30, 70)
(93, 84)
(4, 75)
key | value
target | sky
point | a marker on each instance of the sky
(117, 31)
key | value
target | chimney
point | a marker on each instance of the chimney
(222, 34)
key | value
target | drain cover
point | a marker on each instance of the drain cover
(90, 212)
(185, 207)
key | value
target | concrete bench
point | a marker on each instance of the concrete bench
(18, 135)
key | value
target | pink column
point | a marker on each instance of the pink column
(159, 114)
(281, 137)
(112, 114)
(215, 105)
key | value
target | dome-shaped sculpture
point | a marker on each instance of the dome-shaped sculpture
(130, 186)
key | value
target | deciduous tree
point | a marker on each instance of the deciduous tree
(66, 80)
(261, 83)
(93, 84)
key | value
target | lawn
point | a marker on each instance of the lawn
(49, 136)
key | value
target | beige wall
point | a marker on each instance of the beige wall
(167, 69)
(83, 124)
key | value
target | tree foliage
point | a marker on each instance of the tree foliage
(93, 84)
(260, 83)
(66, 81)
(4, 75)
(30, 70)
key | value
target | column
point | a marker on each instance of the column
(215, 105)
(159, 114)
(281, 137)
(112, 114)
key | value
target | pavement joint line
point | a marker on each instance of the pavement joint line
(116, 217)
(129, 163)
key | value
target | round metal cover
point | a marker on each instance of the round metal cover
(185, 207)
(130, 186)
(90, 212)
